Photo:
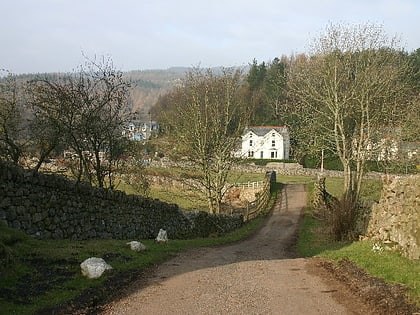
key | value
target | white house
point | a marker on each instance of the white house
(266, 142)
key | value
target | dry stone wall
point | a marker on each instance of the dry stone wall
(395, 220)
(50, 206)
(281, 168)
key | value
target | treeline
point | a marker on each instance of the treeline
(268, 92)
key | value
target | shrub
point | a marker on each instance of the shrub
(330, 163)
(340, 215)
(342, 219)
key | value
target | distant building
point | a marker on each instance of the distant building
(386, 145)
(139, 131)
(411, 150)
(266, 142)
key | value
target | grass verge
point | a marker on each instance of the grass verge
(373, 258)
(40, 274)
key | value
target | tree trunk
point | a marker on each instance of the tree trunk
(42, 158)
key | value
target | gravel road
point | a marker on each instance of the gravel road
(260, 275)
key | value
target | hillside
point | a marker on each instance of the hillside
(147, 85)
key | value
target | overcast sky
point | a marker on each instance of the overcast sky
(50, 35)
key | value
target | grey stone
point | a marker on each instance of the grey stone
(36, 217)
(136, 246)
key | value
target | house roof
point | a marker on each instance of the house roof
(263, 130)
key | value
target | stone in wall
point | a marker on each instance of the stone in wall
(396, 218)
(48, 206)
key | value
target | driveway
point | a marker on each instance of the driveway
(260, 275)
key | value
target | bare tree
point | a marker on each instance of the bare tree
(206, 122)
(348, 90)
(87, 109)
(47, 125)
(12, 140)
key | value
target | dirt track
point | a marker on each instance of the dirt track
(257, 276)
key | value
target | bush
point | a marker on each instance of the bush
(342, 219)
(340, 215)
(330, 163)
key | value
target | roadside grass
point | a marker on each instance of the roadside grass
(385, 264)
(44, 273)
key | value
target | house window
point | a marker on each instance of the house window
(272, 155)
(251, 154)
(262, 154)
(250, 143)
(273, 143)
(273, 134)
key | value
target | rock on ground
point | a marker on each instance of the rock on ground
(94, 267)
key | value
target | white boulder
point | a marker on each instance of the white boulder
(136, 246)
(94, 267)
(162, 236)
